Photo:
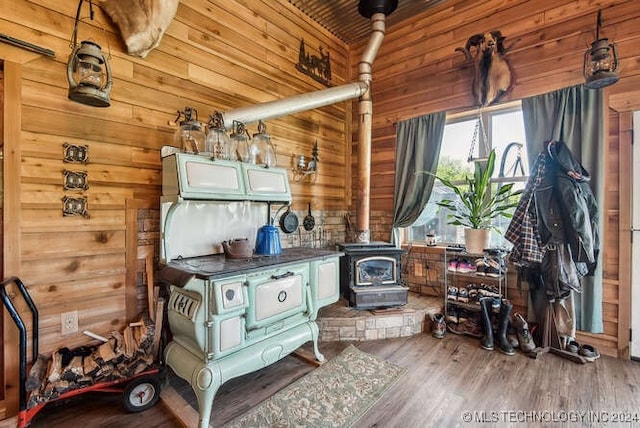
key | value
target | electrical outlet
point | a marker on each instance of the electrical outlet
(69, 322)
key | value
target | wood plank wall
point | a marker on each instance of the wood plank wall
(214, 56)
(222, 55)
(417, 72)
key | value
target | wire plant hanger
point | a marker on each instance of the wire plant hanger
(479, 132)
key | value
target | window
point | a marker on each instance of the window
(467, 137)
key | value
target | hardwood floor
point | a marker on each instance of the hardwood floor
(447, 380)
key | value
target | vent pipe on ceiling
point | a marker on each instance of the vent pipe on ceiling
(294, 104)
(376, 11)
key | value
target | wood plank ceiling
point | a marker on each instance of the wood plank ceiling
(342, 19)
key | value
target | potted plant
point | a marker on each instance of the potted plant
(477, 207)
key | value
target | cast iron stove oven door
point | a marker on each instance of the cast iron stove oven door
(278, 295)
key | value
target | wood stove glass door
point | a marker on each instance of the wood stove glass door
(376, 271)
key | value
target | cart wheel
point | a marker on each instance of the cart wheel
(141, 394)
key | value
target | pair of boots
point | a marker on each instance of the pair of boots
(503, 324)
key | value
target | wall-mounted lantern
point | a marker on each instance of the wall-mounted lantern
(600, 61)
(88, 70)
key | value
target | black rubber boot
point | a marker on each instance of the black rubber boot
(487, 340)
(503, 324)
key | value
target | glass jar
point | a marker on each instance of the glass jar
(191, 134)
(240, 142)
(217, 144)
(262, 151)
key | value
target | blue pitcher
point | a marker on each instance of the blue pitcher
(268, 241)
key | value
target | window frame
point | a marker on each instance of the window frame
(484, 143)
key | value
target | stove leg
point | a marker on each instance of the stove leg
(314, 335)
(204, 379)
(205, 396)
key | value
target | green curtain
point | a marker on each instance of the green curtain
(574, 116)
(418, 142)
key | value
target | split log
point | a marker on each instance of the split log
(104, 372)
(37, 373)
(61, 386)
(106, 350)
(90, 366)
(119, 347)
(74, 371)
(157, 330)
(130, 343)
(55, 367)
(125, 354)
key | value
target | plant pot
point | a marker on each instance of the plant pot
(476, 240)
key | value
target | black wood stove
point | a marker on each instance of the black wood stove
(370, 275)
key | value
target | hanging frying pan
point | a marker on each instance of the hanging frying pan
(289, 221)
(309, 222)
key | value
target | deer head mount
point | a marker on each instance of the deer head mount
(493, 76)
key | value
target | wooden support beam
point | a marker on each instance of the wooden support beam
(179, 407)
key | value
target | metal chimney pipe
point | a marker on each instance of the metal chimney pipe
(294, 104)
(376, 10)
(364, 128)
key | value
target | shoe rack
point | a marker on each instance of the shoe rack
(467, 274)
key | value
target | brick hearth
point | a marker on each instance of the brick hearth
(339, 322)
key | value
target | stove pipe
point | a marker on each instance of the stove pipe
(376, 10)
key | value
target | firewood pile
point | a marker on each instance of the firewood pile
(123, 355)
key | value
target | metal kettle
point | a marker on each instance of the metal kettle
(268, 241)
(237, 249)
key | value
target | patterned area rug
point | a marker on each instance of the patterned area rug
(335, 394)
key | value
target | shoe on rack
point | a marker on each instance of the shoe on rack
(474, 296)
(463, 295)
(453, 265)
(493, 268)
(455, 328)
(465, 267)
(463, 317)
(472, 328)
(438, 326)
(481, 266)
(452, 293)
(452, 316)
(524, 335)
